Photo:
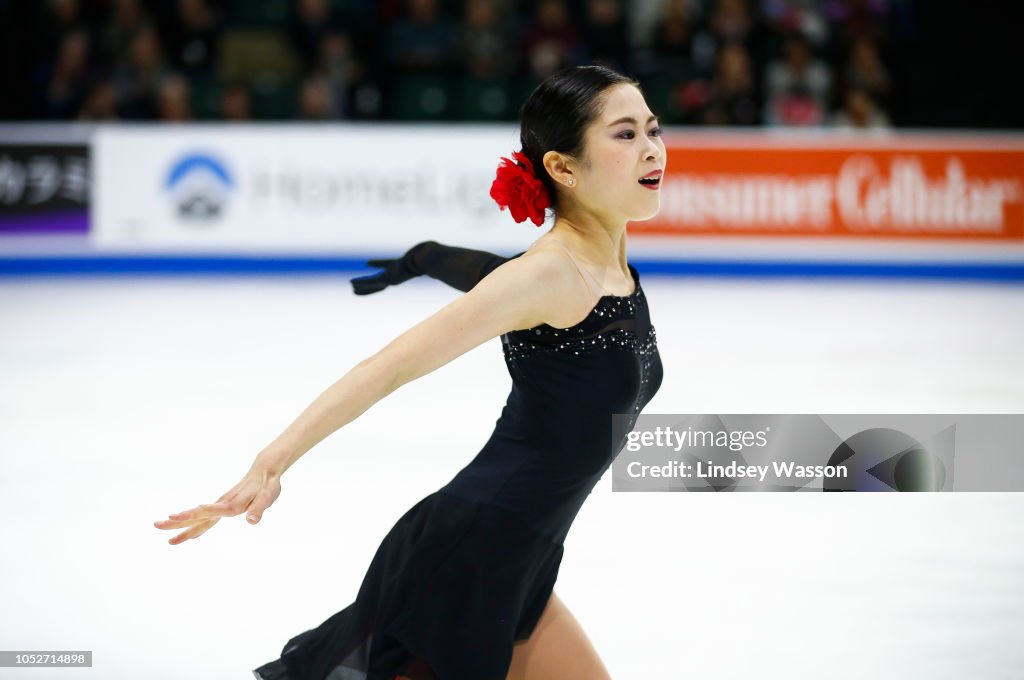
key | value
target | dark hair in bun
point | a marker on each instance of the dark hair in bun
(556, 114)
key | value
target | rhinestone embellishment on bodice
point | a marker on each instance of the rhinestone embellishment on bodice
(613, 316)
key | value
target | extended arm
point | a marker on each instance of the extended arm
(522, 294)
(515, 294)
(460, 268)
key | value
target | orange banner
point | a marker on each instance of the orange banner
(747, 186)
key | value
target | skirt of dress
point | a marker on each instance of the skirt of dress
(454, 584)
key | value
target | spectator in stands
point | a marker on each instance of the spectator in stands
(673, 40)
(798, 87)
(315, 101)
(172, 101)
(550, 41)
(67, 14)
(422, 41)
(64, 16)
(138, 79)
(127, 19)
(865, 69)
(61, 84)
(357, 46)
(733, 94)
(859, 112)
(311, 23)
(340, 68)
(485, 45)
(605, 35)
(789, 16)
(100, 103)
(730, 21)
(192, 38)
(236, 102)
(853, 19)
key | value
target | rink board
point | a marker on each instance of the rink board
(301, 198)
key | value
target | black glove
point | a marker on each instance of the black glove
(460, 268)
(395, 271)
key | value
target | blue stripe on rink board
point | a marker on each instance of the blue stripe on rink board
(268, 265)
(189, 264)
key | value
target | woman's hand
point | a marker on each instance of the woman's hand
(255, 493)
(395, 271)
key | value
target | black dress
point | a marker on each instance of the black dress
(468, 569)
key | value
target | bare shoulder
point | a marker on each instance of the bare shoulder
(543, 284)
(536, 287)
(540, 286)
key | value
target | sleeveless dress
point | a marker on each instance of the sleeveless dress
(468, 569)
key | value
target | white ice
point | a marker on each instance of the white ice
(125, 399)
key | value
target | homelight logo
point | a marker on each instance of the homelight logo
(199, 185)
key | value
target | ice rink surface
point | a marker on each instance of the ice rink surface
(126, 399)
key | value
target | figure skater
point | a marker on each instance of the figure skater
(462, 586)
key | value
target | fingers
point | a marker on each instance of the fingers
(254, 494)
(364, 285)
(196, 527)
(190, 517)
(178, 523)
(380, 263)
(193, 532)
(205, 511)
(255, 509)
(261, 502)
(207, 514)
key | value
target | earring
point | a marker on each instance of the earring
(571, 181)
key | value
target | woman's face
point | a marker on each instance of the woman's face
(617, 154)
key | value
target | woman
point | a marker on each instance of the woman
(461, 588)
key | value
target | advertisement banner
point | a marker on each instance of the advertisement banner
(901, 187)
(352, 188)
(359, 189)
(44, 189)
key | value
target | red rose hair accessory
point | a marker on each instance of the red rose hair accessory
(517, 188)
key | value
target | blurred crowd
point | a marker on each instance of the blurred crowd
(839, 63)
